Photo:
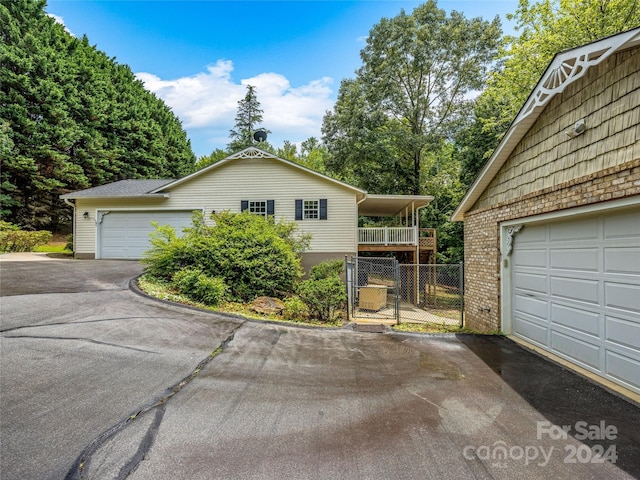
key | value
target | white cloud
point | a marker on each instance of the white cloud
(60, 20)
(209, 101)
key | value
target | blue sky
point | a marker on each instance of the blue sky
(198, 56)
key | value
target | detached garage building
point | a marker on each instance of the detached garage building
(552, 223)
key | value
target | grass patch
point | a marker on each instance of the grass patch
(165, 291)
(52, 248)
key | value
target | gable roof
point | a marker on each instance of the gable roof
(122, 189)
(565, 68)
(253, 152)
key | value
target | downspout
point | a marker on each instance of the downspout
(73, 223)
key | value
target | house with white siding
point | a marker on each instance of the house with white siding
(114, 221)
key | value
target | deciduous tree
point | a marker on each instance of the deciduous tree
(412, 90)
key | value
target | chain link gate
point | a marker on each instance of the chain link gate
(379, 288)
(372, 287)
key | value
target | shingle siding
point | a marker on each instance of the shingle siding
(549, 171)
(608, 98)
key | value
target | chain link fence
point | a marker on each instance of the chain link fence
(382, 289)
(431, 294)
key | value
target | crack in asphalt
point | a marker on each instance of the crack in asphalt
(82, 339)
(98, 320)
(80, 468)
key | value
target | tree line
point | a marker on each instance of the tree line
(434, 95)
(72, 118)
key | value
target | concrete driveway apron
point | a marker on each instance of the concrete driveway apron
(283, 402)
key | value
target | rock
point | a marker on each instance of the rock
(267, 305)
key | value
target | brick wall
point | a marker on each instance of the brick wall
(482, 232)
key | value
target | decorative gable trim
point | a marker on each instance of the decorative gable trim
(569, 66)
(250, 153)
(253, 152)
(564, 69)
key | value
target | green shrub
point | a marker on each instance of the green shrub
(69, 244)
(12, 239)
(324, 293)
(247, 251)
(198, 286)
(168, 253)
(327, 269)
(209, 290)
(8, 226)
(185, 280)
(295, 309)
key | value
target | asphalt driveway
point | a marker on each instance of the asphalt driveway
(99, 382)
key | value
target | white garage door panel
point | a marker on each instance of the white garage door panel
(622, 260)
(531, 331)
(622, 296)
(576, 318)
(577, 350)
(623, 332)
(575, 291)
(532, 258)
(579, 259)
(580, 230)
(533, 282)
(126, 234)
(623, 368)
(622, 225)
(530, 306)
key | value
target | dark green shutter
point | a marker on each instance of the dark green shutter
(271, 207)
(244, 205)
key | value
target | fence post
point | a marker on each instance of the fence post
(461, 290)
(346, 277)
(396, 265)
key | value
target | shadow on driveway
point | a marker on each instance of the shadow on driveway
(565, 398)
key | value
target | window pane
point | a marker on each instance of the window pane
(259, 208)
(311, 209)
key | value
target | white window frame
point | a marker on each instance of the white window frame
(257, 207)
(310, 212)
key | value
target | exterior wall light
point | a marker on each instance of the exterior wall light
(85, 215)
(578, 128)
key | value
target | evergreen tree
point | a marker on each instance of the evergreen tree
(248, 117)
(71, 118)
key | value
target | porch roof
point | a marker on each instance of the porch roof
(391, 205)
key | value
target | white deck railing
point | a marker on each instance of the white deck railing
(388, 236)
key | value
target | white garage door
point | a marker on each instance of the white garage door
(126, 234)
(576, 292)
